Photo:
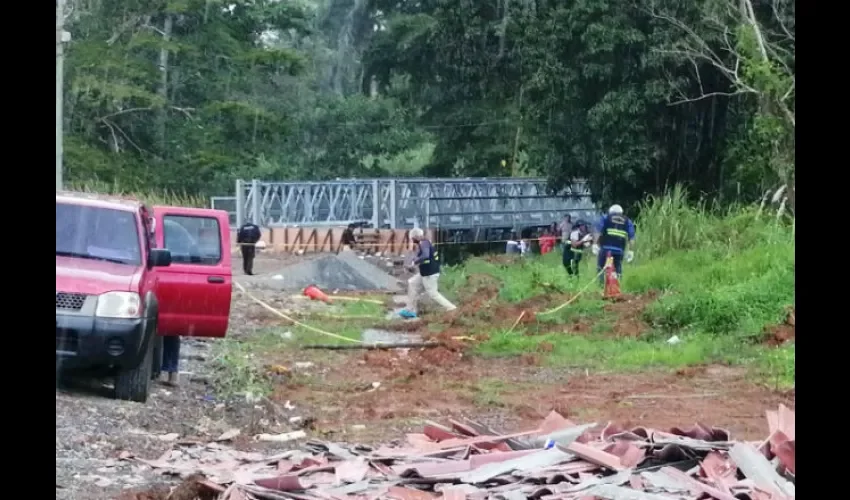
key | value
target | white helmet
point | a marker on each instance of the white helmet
(615, 210)
(416, 233)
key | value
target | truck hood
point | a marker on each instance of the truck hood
(94, 277)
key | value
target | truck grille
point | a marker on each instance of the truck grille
(70, 301)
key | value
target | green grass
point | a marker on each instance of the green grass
(170, 198)
(240, 363)
(721, 276)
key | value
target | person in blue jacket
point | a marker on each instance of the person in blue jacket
(615, 233)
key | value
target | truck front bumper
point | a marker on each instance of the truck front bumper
(88, 341)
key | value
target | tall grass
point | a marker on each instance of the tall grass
(670, 223)
(726, 271)
(172, 198)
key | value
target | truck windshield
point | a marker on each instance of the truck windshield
(97, 233)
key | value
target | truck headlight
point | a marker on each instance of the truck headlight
(119, 305)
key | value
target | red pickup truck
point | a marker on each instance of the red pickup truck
(126, 276)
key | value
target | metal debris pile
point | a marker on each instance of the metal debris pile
(557, 460)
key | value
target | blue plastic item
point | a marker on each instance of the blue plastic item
(404, 313)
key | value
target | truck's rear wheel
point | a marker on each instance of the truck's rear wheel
(135, 384)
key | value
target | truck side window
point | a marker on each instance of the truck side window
(192, 239)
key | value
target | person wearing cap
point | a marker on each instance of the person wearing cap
(579, 239)
(615, 233)
(428, 260)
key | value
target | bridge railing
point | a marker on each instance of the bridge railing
(504, 212)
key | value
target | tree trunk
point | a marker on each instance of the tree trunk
(163, 83)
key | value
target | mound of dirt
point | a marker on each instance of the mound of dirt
(628, 310)
(777, 335)
(345, 271)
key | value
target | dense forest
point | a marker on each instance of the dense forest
(633, 95)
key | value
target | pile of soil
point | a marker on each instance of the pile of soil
(629, 312)
(345, 271)
(777, 335)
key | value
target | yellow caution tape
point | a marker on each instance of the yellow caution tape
(574, 297)
(290, 319)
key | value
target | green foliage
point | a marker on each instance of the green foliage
(720, 277)
(671, 223)
(170, 198)
(226, 93)
(190, 95)
(406, 163)
(729, 272)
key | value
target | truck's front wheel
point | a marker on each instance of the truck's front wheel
(135, 384)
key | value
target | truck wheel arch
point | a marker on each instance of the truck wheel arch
(151, 306)
(152, 316)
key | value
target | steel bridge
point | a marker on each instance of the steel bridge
(446, 203)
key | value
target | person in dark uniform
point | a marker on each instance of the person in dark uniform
(615, 233)
(247, 237)
(348, 238)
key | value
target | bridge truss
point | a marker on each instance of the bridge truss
(405, 203)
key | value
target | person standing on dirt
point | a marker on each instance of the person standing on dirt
(427, 279)
(579, 238)
(615, 233)
(348, 238)
(247, 237)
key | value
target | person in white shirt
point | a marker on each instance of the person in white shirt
(579, 239)
(524, 247)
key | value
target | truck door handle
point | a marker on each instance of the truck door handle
(215, 279)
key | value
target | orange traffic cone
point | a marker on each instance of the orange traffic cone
(612, 282)
(315, 293)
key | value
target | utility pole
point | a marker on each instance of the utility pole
(60, 94)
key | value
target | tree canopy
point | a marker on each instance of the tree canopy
(632, 95)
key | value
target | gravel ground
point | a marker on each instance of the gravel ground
(93, 431)
(96, 436)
